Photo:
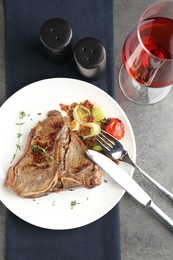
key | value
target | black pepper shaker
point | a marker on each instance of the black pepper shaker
(56, 37)
(90, 58)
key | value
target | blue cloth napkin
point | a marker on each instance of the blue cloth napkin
(26, 63)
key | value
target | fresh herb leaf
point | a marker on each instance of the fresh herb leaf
(73, 203)
(20, 123)
(22, 114)
(104, 122)
(39, 149)
(18, 146)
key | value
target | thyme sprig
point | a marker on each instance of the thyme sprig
(20, 123)
(39, 149)
(43, 151)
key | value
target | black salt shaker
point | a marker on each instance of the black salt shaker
(90, 58)
(56, 37)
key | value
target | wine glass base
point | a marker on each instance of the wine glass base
(140, 94)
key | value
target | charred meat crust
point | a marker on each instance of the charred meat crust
(53, 160)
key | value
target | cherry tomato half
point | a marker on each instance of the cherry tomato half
(115, 127)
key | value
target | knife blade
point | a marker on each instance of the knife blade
(127, 183)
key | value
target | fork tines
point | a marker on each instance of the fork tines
(104, 140)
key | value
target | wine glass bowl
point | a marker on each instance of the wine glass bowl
(147, 74)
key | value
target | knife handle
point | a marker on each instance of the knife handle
(160, 214)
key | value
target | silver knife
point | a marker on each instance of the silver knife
(127, 183)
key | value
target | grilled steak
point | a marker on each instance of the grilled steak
(53, 160)
(78, 170)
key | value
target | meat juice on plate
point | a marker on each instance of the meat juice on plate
(148, 53)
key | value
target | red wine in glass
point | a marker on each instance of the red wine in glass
(149, 61)
(147, 74)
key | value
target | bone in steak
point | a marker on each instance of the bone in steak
(53, 160)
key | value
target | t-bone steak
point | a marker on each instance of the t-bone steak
(53, 160)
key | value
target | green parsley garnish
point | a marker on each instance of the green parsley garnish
(22, 115)
(73, 203)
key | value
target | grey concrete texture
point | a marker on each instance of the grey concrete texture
(143, 237)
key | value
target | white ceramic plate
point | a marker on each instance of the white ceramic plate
(54, 211)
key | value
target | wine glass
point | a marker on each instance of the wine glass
(147, 73)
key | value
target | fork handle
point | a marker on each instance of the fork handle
(167, 193)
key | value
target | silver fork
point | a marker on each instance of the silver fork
(114, 148)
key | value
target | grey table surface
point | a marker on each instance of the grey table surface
(143, 237)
